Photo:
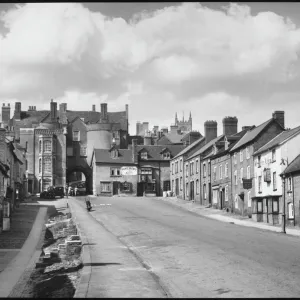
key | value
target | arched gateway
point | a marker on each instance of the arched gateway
(87, 172)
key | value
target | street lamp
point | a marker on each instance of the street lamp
(283, 202)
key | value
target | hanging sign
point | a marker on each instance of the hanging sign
(247, 184)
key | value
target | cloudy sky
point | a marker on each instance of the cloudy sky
(213, 59)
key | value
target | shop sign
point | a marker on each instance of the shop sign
(247, 184)
(125, 171)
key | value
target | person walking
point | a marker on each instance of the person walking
(67, 191)
(76, 190)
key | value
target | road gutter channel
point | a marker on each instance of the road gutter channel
(83, 286)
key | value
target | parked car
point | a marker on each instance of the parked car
(52, 192)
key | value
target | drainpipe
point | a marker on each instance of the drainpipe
(293, 199)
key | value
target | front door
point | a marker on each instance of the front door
(177, 187)
(192, 190)
(116, 185)
(222, 204)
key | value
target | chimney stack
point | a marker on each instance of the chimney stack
(279, 116)
(103, 111)
(230, 125)
(211, 130)
(173, 128)
(138, 128)
(53, 111)
(246, 127)
(134, 151)
(17, 114)
(94, 107)
(5, 114)
(164, 130)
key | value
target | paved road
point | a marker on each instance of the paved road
(198, 257)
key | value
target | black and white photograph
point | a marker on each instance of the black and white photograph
(150, 150)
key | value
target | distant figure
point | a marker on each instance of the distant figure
(76, 190)
(69, 190)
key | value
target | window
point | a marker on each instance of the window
(191, 168)
(197, 166)
(215, 173)
(83, 151)
(234, 158)
(258, 161)
(259, 206)
(181, 183)
(247, 153)
(241, 155)
(47, 165)
(226, 170)
(166, 155)
(249, 199)
(220, 171)
(145, 156)
(204, 191)
(125, 186)
(176, 166)
(273, 155)
(187, 189)
(76, 136)
(290, 210)
(204, 170)
(274, 182)
(197, 186)
(113, 153)
(226, 193)
(40, 165)
(248, 172)
(235, 177)
(186, 170)
(208, 169)
(47, 146)
(275, 206)
(115, 172)
(259, 184)
(172, 168)
(289, 184)
(241, 174)
(215, 196)
(40, 146)
(105, 187)
(146, 171)
(70, 151)
(180, 164)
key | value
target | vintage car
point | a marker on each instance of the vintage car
(52, 192)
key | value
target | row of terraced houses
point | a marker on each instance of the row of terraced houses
(252, 172)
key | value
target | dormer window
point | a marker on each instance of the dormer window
(144, 155)
(166, 155)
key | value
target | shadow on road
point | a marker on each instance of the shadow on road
(100, 264)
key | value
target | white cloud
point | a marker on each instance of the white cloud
(183, 53)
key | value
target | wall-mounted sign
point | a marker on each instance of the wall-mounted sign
(247, 184)
(125, 171)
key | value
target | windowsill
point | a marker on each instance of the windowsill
(260, 192)
(274, 190)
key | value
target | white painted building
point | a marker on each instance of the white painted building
(269, 162)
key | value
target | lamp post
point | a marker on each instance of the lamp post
(283, 161)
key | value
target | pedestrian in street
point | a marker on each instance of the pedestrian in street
(69, 190)
(76, 190)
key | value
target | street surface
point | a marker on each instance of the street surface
(193, 256)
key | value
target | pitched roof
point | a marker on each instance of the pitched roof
(104, 156)
(190, 147)
(187, 135)
(294, 166)
(88, 116)
(252, 134)
(154, 151)
(279, 139)
(174, 137)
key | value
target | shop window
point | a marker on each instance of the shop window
(275, 206)
(259, 206)
(290, 210)
(105, 187)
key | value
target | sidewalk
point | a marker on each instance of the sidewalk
(110, 269)
(18, 246)
(223, 216)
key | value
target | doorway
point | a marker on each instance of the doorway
(192, 195)
(177, 187)
(222, 203)
(116, 187)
